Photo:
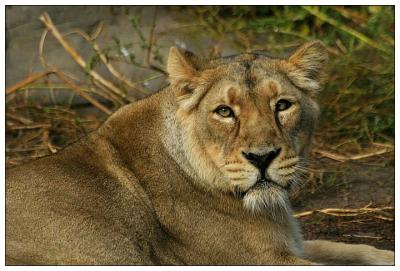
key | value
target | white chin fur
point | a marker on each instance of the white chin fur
(268, 199)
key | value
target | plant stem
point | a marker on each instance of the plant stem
(324, 17)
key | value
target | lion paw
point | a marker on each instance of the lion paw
(379, 257)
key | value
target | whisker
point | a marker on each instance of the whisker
(307, 169)
(301, 174)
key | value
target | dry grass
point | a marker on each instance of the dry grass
(37, 128)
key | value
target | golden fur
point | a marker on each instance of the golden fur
(179, 177)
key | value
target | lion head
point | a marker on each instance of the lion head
(246, 120)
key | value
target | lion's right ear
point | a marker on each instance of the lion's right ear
(181, 65)
(184, 69)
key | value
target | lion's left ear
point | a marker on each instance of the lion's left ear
(307, 66)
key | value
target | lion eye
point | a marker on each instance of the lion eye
(282, 105)
(224, 111)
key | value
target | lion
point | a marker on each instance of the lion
(197, 174)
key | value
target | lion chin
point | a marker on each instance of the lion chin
(267, 197)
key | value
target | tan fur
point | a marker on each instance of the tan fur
(164, 180)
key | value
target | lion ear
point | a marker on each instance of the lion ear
(181, 65)
(183, 68)
(307, 66)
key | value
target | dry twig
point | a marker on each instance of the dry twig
(31, 126)
(348, 212)
(331, 155)
(151, 38)
(343, 158)
(362, 236)
(80, 92)
(20, 119)
(108, 64)
(45, 18)
(27, 81)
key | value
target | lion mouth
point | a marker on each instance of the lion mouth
(265, 183)
(261, 184)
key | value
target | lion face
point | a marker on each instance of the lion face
(247, 120)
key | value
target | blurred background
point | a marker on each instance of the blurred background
(69, 67)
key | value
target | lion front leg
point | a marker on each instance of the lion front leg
(327, 252)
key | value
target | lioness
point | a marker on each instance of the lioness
(198, 173)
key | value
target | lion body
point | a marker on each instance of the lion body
(87, 205)
(141, 191)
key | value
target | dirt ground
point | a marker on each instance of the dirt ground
(366, 183)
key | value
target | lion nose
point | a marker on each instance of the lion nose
(262, 161)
